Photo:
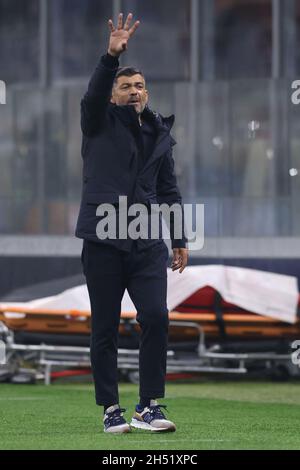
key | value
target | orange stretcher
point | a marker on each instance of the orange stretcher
(206, 308)
(206, 335)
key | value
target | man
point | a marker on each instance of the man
(127, 150)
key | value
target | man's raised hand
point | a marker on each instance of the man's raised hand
(119, 37)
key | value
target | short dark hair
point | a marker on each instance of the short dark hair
(127, 72)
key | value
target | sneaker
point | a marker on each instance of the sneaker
(114, 421)
(152, 418)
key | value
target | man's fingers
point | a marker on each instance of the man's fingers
(111, 26)
(176, 266)
(176, 263)
(134, 27)
(181, 265)
(184, 259)
(127, 22)
(180, 259)
(126, 25)
(120, 21)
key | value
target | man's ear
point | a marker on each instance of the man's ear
(147, 96)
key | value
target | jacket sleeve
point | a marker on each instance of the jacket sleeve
(97, 97)
(167, 192)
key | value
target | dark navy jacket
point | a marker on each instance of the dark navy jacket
(111, 143)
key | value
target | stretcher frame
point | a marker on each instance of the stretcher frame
(204, 360)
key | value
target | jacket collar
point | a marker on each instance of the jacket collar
(160, 122)
(163, 125)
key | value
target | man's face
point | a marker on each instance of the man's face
(130, 91)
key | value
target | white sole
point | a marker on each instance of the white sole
(118, 430)
(147, 427)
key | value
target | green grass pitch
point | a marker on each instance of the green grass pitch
(208, 415)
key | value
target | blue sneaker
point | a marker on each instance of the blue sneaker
(152, 418)
(114, 421)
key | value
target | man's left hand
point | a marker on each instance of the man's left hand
(180, 259)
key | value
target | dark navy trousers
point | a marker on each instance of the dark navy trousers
(108, 273)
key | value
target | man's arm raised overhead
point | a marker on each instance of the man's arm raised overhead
(97, 97)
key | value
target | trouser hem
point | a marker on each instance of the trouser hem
(105, 402)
